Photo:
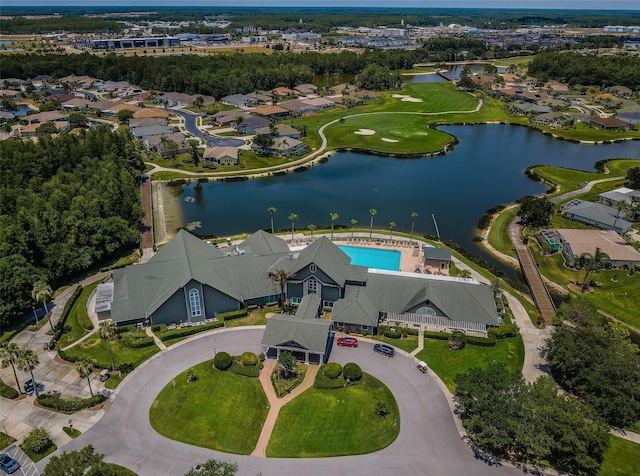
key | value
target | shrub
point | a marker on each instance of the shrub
(352, 372)
(138, 341)
(187, 331)
(386, 331)
(159, 327)
(332, 370)
(227, 316)
(482, 341)
(222, 361)
(37, 441)
(245, 371)
(381, 409)
(437, 335)
(503, 331)
(458, 340)
(6, 391)
(249, 359)
(262, 357)
(68, 406)
(127, 328)
(484, 221)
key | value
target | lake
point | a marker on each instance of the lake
(485, 169)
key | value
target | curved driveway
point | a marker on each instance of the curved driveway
(428, 444)
(190, 125)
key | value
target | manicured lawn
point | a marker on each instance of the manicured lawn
(499, 234)
(320, 423)
(407, 344)
(621, 459)
(96, 349)
(449, 363)
(35, 457)
(620, 299)
(584, 133)
(5, 440)
(409, 133)
(255, 317)
(78, 321)
(221, 411)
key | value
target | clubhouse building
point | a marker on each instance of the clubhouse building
(189, 281)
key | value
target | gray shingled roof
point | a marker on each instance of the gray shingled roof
(263, 243)
(599, 213)
(289, 331)
(431, 252)
(104, 296)
(329, 258)
(355, 308)
(308, 308)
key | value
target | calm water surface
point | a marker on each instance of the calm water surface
(485, 169)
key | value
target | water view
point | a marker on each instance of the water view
(484, 170)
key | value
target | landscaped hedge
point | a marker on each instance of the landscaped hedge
(352, 371)
(6, 391)
(323, 382)
(68, 406)
(159, 327)
(227, 316)
(244, 371)
(127, 328)
(472, 340)
(187, 331)
(332, 370)
(504, 331)
(249, 359)
(63, 318)
(396, 333)
(222, 361)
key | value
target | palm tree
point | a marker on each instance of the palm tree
(293, 217)
(334, 217)
(9, 353)
(312, 228)
(353, 223)
(392, 225)
(279, 278)
(465, 273)
(372, 212)
(595, 266)
(84, 367)
(414, 215)
(623, 207)
(42, 292)
(580, 263)
(272, 211)
(27, 361)
(108, 332)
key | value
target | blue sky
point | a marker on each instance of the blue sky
(526, 4)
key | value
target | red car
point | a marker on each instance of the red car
(348, 341)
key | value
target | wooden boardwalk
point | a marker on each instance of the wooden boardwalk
(539, 290)
(147, 220)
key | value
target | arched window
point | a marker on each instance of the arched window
(194, 303)
(427, 311)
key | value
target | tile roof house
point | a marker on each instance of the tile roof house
(48, 116)
(577, 242)
(609, 124)
(151, 112)
(306, 89)
(190, 281)
(283, 147)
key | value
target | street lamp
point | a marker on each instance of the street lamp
(34, 313)
(70, 425)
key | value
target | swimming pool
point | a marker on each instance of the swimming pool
(373, 258)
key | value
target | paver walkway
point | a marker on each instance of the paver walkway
(155, 338)
(420, 344)
(276, 403)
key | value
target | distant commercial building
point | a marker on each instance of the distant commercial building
(118, 43)
(306, 36)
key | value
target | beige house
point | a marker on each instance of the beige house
(222, 155)
(577, 242)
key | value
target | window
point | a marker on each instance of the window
(426, 310)
(194, 303)
(296, 300)
(313, 285)
(327, 303)
(312, 268)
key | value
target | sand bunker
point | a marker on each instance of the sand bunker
(365, 132)
(389, 140)
(400, 96)
(410, 99)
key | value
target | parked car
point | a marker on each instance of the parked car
(104, 375)
(384, 349)
(8, 464)
(422, 367)
(347, 341)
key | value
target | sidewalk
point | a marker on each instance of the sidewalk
(276, 403)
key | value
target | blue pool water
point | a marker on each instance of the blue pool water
(373, 258)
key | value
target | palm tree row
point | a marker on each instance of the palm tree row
(293, 217)
(591, 263)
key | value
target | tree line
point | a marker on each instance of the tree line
(223, 74)
(576, 69)
(66, 204)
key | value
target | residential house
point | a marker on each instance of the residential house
(270, 111)
(319, 103)
(297, 107)
(282, 92)
(609, 124)
(366, 95)
(175, 99)
(528, 108)
(598, 215)
(225, 118)
(283, 147)
(6, 116)
(612, 198)
(48, 116)
(141, 133)
(147, 122)
(620, 254)
(222, 155)
(31, 130)
(250, 124)
(239, 100)
(261, 98)
(158, 143)
(283, 130)
(10, 94)
(306, 89)
(75, 103)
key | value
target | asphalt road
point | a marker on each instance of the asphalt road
(428, 444)
(190, 125)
